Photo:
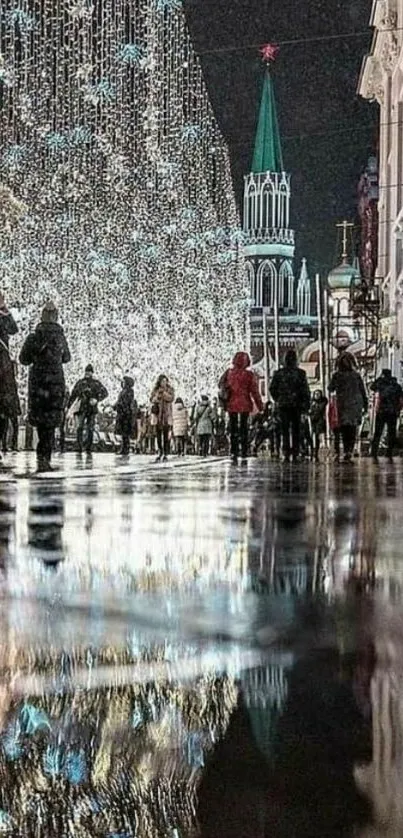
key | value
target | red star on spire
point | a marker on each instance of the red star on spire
(269, 52)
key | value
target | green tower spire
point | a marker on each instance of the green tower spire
(267, 156)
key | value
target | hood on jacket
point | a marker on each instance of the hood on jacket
(241, 360)
(47, 328)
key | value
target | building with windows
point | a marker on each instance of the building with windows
(282, 306)
(381, 82)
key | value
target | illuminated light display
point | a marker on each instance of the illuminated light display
(108, 138)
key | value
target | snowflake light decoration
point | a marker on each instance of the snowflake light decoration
(79, 135)
(191, 133)
(22, 19)
(168, 5)
(103, 91)
(237, 236)
(133, 54)
(14, 156)
(56, 141)
(81, 10)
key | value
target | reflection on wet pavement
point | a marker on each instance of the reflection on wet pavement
(200, 650)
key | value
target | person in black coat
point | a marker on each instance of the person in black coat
(126, 414)
(9, 402)
(390, 402)
(87, 392)
(45, 351)
(290, 391)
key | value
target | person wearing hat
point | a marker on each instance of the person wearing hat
(86, 393)
(126, 414)
(44, 352)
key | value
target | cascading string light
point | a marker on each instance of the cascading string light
(108, 137)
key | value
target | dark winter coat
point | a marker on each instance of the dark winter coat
(9, 401)
(318, 415)
(242, 386)
(45, 351)
(126, 413)
(350, 395)
(88, 390)
(390, 395)
(290, 391)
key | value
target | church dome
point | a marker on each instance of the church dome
(343, 276)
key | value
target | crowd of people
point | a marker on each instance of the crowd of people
(292, 423)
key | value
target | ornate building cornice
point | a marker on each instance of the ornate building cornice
(386, 14)
(372, 85)
(390, 51)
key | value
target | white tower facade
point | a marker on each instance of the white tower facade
(269, 241)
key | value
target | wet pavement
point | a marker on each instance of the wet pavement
(193, 649)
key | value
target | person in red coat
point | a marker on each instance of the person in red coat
(240, 396)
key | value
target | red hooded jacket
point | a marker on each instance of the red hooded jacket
(243, 387)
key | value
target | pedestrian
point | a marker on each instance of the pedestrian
(180, 426)
(9, 402)
(389, 403)
(162, 398)
(318, 421)
(45, 351)
(203, 425)
(84, 401)
(126, 414)
(240, 396)
(351, 401)
(289, 389)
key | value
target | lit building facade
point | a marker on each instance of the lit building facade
(381, 82)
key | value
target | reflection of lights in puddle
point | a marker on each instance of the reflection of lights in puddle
(181, 671)
(148, 544)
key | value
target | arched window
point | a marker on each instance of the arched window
(286, 286)
(252, 282)
(267, 205)
(283, 206)
(251, 205)
(265, 284)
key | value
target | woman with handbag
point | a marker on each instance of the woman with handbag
(9, 402)
(162, 398)
(239, 394)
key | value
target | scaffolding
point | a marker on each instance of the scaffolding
(365, 310)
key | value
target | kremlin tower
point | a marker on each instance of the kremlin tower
(281, 306)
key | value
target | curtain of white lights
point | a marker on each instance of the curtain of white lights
(108, 137)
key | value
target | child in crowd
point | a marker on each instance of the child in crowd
(203, 425)
(180, 424)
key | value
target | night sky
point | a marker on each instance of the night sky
(327, 130)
